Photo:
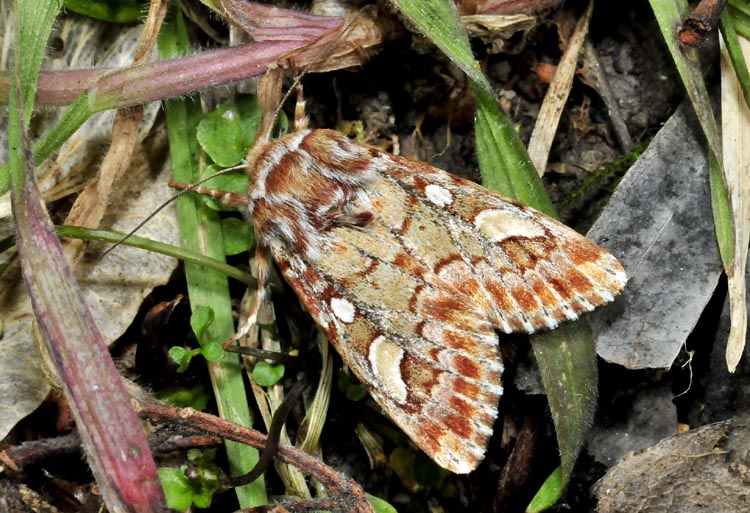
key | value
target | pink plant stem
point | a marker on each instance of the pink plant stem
(158, 80)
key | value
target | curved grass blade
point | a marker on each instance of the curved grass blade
(200, 229)
(567, 358)
(134, 241)
(735, 124)
(669, 15)
(112, 436)
(729, 33)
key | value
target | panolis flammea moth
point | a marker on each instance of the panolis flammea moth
(411, 272)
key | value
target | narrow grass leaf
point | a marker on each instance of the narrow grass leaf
(158, 247)
(111, 433)
(739, 10)
(200, 229)
(566, 357)
(732, 42)
(735, 124)
(669, 15)
(503, 162)
(550, 492)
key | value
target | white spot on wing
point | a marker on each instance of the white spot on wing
(438, 195)
(498, 225)
(342, 309)
(385, 358)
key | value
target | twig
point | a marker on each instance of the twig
(593, 70)
(19, 456)
(349, 494)
(696, 29)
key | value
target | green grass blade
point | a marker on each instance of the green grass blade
(439, 21)
(669, 15)
(134, 241)
(567, 357)
(200, 229)
(567, 363)
(503, 161)
(721, 211)
(739, 11)
(111, 434)
(735, 54)
(548, 494)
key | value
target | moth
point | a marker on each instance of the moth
(411, 272)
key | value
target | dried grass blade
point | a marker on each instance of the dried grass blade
(735, 120)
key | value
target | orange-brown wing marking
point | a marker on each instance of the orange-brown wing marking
(428, 356)
(532, 271)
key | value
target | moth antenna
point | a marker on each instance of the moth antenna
(274, 436)
(313, 62)
(164, 205)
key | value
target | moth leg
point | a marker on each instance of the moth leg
(227, 198)
(300, 119)
(264, 270)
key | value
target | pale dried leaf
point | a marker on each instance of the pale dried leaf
(87, 44)
(689, 473)
(114, 289)
(116, 286)
(735, 121)
(557, 95)
(24, 385)
(659, 224)
(91, 204)
(495, 29)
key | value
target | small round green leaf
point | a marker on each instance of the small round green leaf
(177, 488)
(227, 133)
(115, 11)
(266, 374)
(238, 235)
(201, 319)
(181, 357)
(212, 351)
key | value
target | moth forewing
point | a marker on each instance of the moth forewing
(534, 271)
(410, 270)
